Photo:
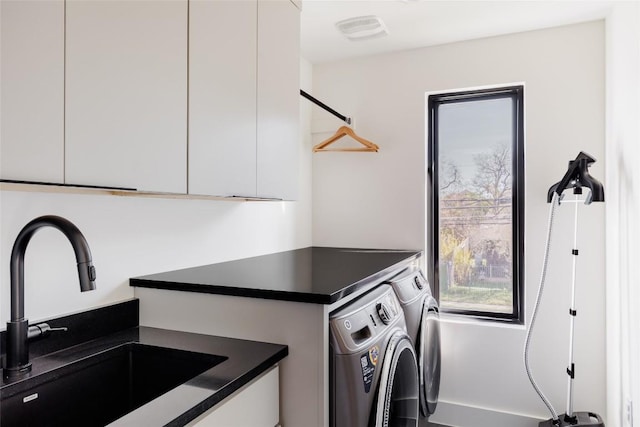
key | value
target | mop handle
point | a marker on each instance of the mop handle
(572, 315)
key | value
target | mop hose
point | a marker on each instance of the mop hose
(545, 261)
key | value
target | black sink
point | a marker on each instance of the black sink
(102, 388)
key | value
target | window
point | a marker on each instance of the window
(476, 201)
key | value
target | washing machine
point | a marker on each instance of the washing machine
(373, 366)
(423, 326)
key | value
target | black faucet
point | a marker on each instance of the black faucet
(17, 362)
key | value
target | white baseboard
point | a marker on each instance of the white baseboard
(458, 415)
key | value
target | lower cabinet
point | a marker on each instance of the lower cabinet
(257, 405)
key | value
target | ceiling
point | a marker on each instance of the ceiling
(415, 23)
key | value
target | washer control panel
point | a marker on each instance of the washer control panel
(384, 312)
(366, 318)
(418, 282)
(410, 285)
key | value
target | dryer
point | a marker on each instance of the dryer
(423, 326)
(373, 365)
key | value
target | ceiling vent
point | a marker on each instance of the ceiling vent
(362, 27)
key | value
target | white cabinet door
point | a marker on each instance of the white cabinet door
(222, 97)
(244, 98)
(256, 405)
(32, 90)
(126, 94)
(278, 98)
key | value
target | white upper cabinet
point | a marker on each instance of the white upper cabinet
(32, 90)
(222, 97)
(278, 98)
(244, 98)
(126, 94)
(179, 96)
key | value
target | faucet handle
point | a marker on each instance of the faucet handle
(42, 330)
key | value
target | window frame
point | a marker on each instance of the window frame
(434, 100)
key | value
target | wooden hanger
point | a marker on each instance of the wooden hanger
(342, 131)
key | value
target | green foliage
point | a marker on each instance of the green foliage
(453, 250)
(469, 295)
(463, 262)
(448, 243)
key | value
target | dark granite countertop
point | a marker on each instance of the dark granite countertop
(241, 362)
(320, 275)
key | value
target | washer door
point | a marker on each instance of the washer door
(429, 356)
(398, 398)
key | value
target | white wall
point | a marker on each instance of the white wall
(378, 200)
(623, 211)
(132, 236)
